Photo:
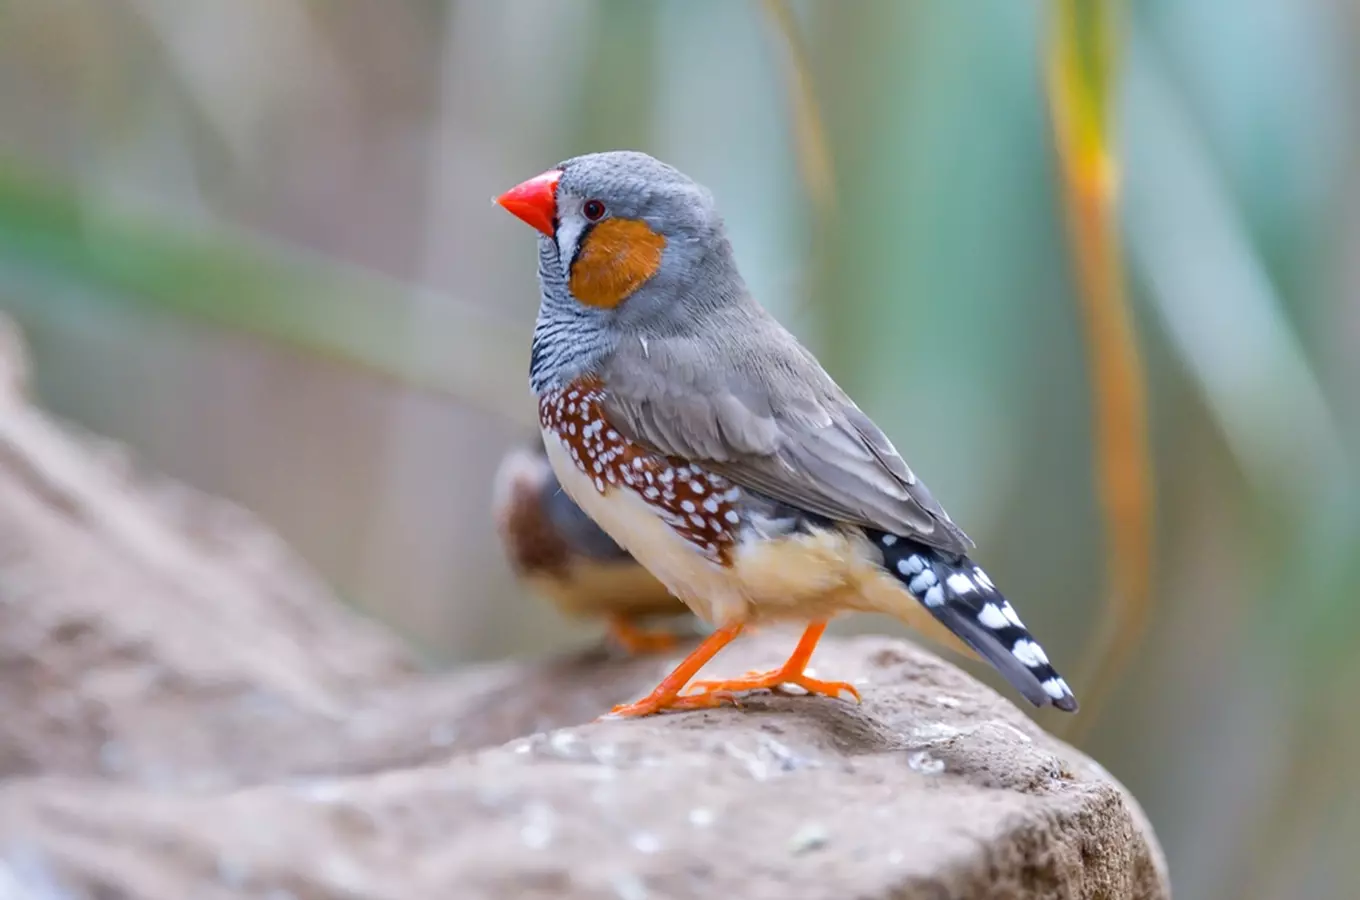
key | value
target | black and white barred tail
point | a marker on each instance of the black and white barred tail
(960, 595)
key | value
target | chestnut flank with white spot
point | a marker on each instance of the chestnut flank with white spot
(698, 505)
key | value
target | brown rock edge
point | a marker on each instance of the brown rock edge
(185, 712)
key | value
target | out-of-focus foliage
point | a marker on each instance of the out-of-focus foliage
(253, 238)
(1085, 37)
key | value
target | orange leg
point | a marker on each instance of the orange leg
(667, 693)
(792, 672)
(637, 640)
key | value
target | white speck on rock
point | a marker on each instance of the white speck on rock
(537, 832)
(923, 762)
(561, 742)
(788, 760)
(812, 836)
(320, 790)
(646, 842)
(701, 817)
(948, 702)
(930, 732)
(1007, 726)
(628, 886)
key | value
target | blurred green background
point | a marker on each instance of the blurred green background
(254, 240)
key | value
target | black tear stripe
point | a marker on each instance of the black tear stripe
(580, 242)
(962, 598)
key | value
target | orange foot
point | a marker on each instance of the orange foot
(772, 680)
(667, 693)
(792, 672)
(638, 641)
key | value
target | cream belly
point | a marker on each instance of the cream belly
(801, 577)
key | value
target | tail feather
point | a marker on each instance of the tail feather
(961, 597)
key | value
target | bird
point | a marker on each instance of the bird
(561, 554)
(700, 435)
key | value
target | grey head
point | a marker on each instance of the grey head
(659, 235)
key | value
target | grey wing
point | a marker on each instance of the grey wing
(781, 428)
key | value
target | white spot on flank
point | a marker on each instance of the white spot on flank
(698, 520)
(599, 484)
(651, 493)
(571, 428)
(1056, 688)
(961, 583)
(991, 617)
(687, 505)
(711, 505)
(637, 463)
(667, 476)
(889, 539)
(612, 435)
(701, 817)
(732, 517)
(733, 495)
(696, 486)
(1011, 615)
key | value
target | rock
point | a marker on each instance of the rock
(186, 712)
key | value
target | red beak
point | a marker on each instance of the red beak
(534, 201)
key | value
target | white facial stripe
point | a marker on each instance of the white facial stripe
(570, 225)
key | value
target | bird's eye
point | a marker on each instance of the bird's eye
(593, 210)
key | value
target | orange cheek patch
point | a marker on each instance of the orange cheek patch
(617, 256)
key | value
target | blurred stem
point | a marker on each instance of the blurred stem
(1082, 57)
(812, 148)
(814, 151)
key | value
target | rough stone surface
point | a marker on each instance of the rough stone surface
(185, 712)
